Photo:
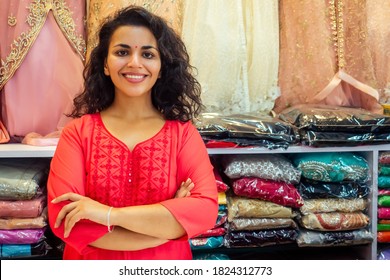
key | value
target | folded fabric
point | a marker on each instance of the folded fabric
(384, 158)
(206, 242)
(210, 256)
(310, 189)
(384, 212)
(309, 238)
(22, 236)
(384, 181)
(212, 232)
(383, 236)
(326, 205)
(12, 251)
(261, 223)
(334, 221)
(266, 166)
(36, 139)
(384, 170)
(332, 166)
(278, 192)
(23, 208)
(22, 179)
(221, 185)
(319, 117)
(384, 200)
(383, 192)
(383, 227)
(382, 221)
(384, 254)
(236, 239)
(25, 223)
(243, 207)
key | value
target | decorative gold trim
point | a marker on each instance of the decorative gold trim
(12, 20)
(336, 13)
(38, 11)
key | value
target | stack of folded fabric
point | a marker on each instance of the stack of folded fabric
(213, 238)
(325, 125)
(262, 201)
(384, 197)
(334, 190)
(243, 130)
(23, 213)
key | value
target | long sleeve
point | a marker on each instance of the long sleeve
(198, 212)
(68, 174)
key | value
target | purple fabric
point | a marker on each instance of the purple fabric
(22, 236)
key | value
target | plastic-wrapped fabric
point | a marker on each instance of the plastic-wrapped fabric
(243, 207)
(239, 224)
(384, 254)
(384, 158)
(334, 221)
(278, 192)
(221, 198)
(384, 170)
(383, 236)
(221, 185)
(384, 200)
(384, 182)
(23, 208)
(219, 231)
(244, 143)
(22, 179)
(210, 256)
(332, 166)
(318, 117)
(22, 236)
(247, 126)
(221, 218)
(383, 227)
(383, 221)
(25, 223)
(326, 205)
(310, 189)
(310, 238)
(383, 192)
(384, 212)
(266, 166)
(206, 242)
(260, 238)
(12, 251)
(325, 139)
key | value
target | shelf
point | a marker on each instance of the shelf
(22, 150)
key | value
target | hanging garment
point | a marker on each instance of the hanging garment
(235, 47)
(99, 10)
(331, 53)
(42, 52)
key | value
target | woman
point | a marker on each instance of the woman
(118, 166)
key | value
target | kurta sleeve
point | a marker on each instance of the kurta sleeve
(198, 212)
(68, 174)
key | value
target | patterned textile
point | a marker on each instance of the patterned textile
(259, 238)
(334, 221)
(90, 161)
(242, 207)
(261, 223)
(266, 166)
(326, 239)
(206, 242)
(326, 205)
(332, 167)
(278, 192)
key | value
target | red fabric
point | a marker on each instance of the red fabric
(221, 185)
(90, 161)
(384, 212)
(277, 192)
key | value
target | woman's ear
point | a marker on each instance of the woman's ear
(106, 72)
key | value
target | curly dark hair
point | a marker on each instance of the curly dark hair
(176, 93)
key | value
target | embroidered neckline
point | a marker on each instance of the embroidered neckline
(155, 136)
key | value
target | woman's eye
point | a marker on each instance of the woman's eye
(148, 55)
(122, 53)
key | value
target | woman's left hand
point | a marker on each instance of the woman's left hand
(80, 207)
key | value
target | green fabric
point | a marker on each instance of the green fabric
(384, 170)
(332, 166)
(384, 200)
(383, 227)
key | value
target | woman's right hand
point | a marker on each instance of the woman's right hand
(185, 189)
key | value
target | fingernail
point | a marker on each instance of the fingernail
(53, 200)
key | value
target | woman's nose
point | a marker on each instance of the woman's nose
(134, 61)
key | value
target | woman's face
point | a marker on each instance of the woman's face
(133, 61)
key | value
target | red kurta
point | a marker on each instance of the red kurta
(92, 162)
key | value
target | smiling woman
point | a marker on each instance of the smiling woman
(131, 177)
